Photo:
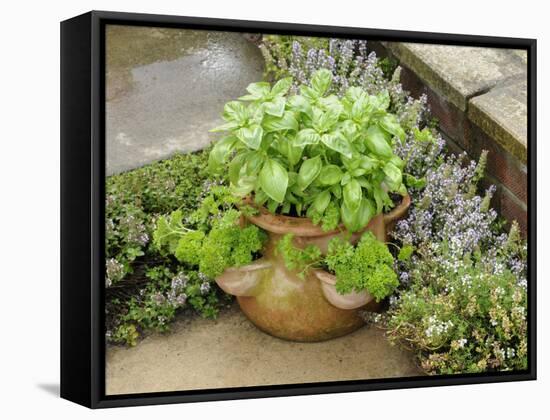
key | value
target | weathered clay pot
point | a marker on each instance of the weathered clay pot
(281, 303)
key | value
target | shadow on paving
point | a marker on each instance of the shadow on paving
(231, 352)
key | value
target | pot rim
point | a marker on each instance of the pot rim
(303, 226)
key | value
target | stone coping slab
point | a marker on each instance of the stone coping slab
(488, 84)
(502, 114)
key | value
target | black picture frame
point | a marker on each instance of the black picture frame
(82, 208)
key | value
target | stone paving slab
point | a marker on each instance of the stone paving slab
(166, 89)
(502, 114)
(231, 352)
(457, 72)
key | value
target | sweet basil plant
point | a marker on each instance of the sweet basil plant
(312, 153)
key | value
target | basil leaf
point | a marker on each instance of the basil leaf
(354, 93)
(336, 190)
(290, 198)
(306, 136)
(272, 206)
(367, 163)
(382, 199)
(309, 170)
(377, 143)
(349, 218)
(276, 107)
(365, 213)
(330, 175)
(231, 125)
(353, 195)
(273, 180)
(389, 123)
(394, 176)
(337, 142)
(364, 183)
(321, 202)
(327, 120)
(235, 111)
(286, 122)
(254, 162)
(236, 165)
(244, 186)
(331, 103)
(397, 161)
(321, 81)
(361, 108)
(381, 101)
(260, 197)
(258, 90)
(220, 152)
(294, 154)
(281, 87)
(301, 104)
(345, 179)
(309, 93)
(349, 130)
(252, 136)
(292, 179)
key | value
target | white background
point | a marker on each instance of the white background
(29, 206)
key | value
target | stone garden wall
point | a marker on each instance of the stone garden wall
(479, 96)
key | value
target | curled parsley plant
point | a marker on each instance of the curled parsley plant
(296, 258)
(216, 243)
(367, 266)
(313, 152)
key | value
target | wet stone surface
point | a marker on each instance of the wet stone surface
(231, 352)
(166, 89)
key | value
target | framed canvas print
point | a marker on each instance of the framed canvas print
(255, 209)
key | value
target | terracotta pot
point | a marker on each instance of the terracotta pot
(281, 303)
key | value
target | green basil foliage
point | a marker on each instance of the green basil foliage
(313, 153)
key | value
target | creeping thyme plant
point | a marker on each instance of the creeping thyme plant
(144, 288)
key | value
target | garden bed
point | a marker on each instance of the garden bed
(460, 304)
